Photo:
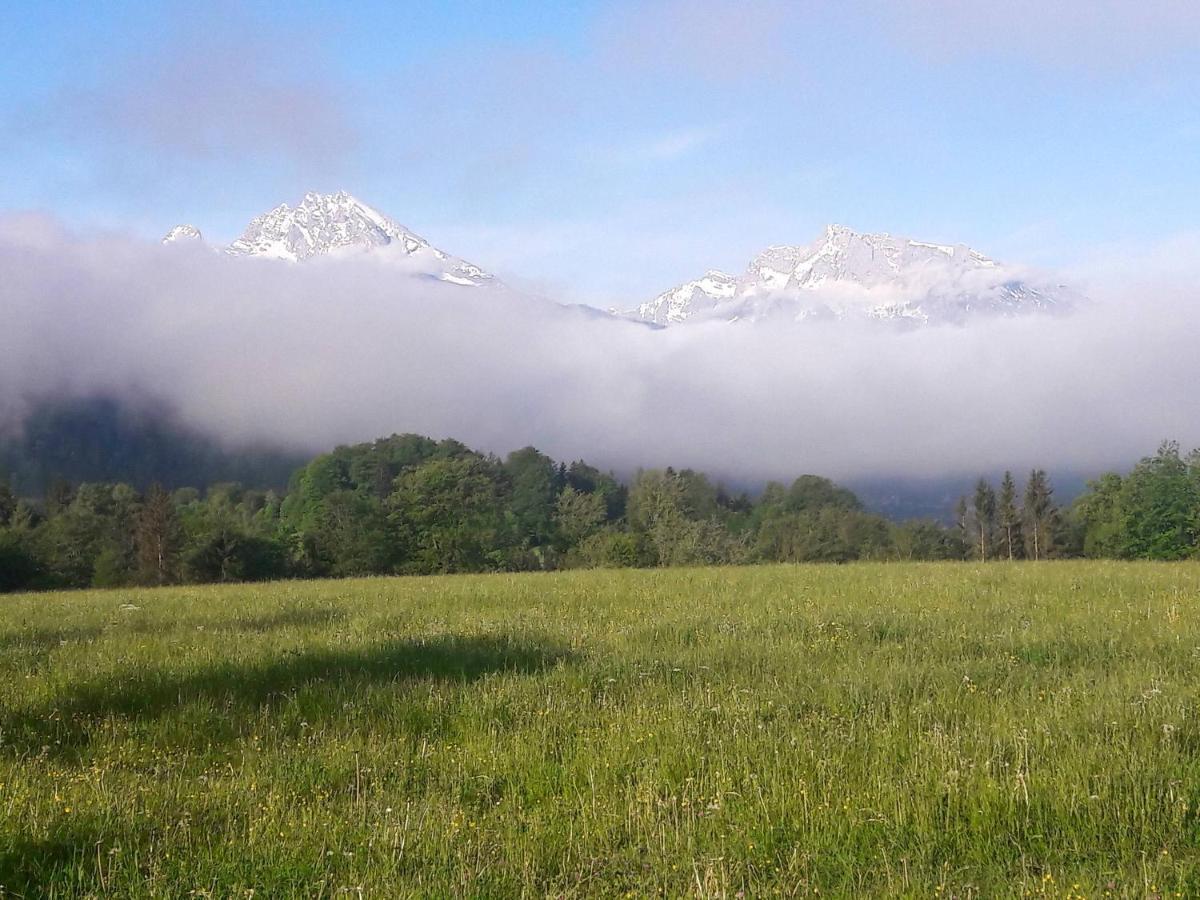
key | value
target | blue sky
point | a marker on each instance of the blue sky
(605, 151)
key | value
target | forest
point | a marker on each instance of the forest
(409, 504)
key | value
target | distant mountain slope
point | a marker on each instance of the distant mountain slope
(100, 438)
(182, 233)
(846, 274)
(338, 223)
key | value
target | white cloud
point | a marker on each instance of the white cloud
(346, 350)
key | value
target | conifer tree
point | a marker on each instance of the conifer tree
(960, 524)
(1039, 514)
(985, 516)
(1010, 516)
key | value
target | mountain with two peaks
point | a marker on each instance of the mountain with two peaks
(323, 224)
(843, 274)
(846, 274)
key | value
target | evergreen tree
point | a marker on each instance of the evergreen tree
(1010, 516)
(961, 526)
(1040, 515)
(985, 516)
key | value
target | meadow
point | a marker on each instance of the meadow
(917, 730)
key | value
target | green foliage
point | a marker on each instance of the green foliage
(232, 535)
(614, 549)
(985, 518)
(20, 565)
(578, 514)
(409, 504)
(533, 490)
(348, 533)
(8, 504)
(590, 480)
(815, 520)
(679, 516)
(1041, 517)
(84, 524)
(1099, 513)
(1009, 519)
(916, 540)
(1159, 502)
(449, 515)
(1152, 513)
(827, 534)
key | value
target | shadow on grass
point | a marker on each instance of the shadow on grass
(66, 726)
(49, 866)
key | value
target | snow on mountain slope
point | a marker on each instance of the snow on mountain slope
(845, 274)
(689, 299)
(182, 233)
(338, 223)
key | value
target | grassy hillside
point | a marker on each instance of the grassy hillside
(920, 730)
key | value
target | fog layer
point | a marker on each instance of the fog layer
(341, 350)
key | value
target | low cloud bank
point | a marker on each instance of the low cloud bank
(340, 350)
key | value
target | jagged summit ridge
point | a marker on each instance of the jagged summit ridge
(182, 233)
(845, 273)
(322, 224)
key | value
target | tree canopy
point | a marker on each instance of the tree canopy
(408, 504)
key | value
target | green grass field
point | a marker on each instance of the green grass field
(866, 730)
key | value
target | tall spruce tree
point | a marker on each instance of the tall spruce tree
(1039, 513)
(985, 516)
(1009, 515)
(961, 526)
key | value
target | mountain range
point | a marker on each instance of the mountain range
(323, 224)
(843, 274)
(846, 274)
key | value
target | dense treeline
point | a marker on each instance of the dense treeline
(410, 505)
(1151, 513)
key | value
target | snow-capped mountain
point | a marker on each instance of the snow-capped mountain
(845, 274)
(182, 233)
(338, 223)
